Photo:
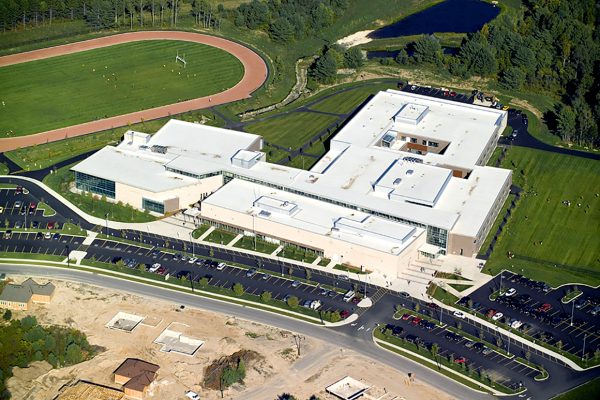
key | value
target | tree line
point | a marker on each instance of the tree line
(289, 20)
(103, 14)
(24, 341)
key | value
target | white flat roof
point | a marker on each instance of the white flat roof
(314, 216)
(347, 388)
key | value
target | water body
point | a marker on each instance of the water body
(394, 53)
(450, 16)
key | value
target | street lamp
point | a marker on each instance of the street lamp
(572, 310)
(68, 257)
(106, 219)
(583, 350)
(193, 252)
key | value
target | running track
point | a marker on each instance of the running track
(255, 74)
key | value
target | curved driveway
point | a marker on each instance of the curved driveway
(255, 74)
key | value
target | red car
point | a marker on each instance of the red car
(452, 94)
(433, 305)
(545, 307)
(490, 313)
(406, 317)
(415, 320)
(344, 314)
(460, 360)
(19, 190)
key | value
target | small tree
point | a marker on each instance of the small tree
(141, 267)
(7, 315)
(238, 289)
(266, 296)
(203, 281)
(335, 316)
(292, 302)
(499, 341)
(528, 355)
(481, 334)
(435, 348)
(459, 325)
(417, 307)
(387, 332)
(307, 273)
(559, 344)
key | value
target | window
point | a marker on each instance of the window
(93, 184)
(433, 144)
(424, 141)
(151, 205)
(437, 237)
(413, 140)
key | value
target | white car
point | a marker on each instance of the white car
(221, 266)
(315, 304)
(516, 324)
(154, 267)
(193, 260)
(459, 314)
(510, 292)
(497, 316)
(192, 395)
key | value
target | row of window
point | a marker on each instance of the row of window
(153, 205)
(93, 184)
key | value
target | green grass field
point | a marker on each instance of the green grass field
(589, 390)
(346, 102)
(543, 232)
(291, 130)
(76, 88)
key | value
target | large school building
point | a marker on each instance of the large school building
(406, 173)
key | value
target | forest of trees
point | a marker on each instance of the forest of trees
(102, 14)
(23, 341)
(288, 20)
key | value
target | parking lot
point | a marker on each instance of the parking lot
(503, 369)
(543, 315)
(439, 93)
(224, 276)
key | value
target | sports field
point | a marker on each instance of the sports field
(71, 89)
(543, 231)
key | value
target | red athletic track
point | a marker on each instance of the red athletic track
(255, 74)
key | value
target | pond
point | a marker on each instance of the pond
(450, 16)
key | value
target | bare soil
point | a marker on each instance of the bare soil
(276, 368)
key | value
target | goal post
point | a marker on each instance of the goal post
(180, 59)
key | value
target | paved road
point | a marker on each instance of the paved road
(361, 344)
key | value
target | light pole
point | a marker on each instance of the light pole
(508, 338)
(68, 257)
(106, 219)
(193, 252)
(572, 310)
(583, 350)
(501, 276)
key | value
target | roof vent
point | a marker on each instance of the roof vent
(409, 172)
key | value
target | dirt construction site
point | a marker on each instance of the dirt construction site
(276, 369)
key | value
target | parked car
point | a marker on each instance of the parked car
(295, 284)
(18, 224)
(251, 272)
(452, 336)
(510, 292)
(39, 235)
(459, 314)
(56, 236)
(221, 266)
(516, 324)
(192, 260)
(486, 351)
(545, 307)
(579, 303)
(344, 314)
(48, 235)
(406, 317)
(397, 331)
(404, 294)
(490, 313)
(415, 320)
(460, 360)
(497, 316)
(8, 234)
(349, 295)
(469, 344)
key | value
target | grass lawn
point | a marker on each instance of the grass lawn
(589, 390)
(497, 223)
(48, 211)
(345, 102)
(247, 242)
(76, 88)
(297, 254)
(291, 130)
(45, 155)
(200, 231)
(542, 232)
(459, 287)
(349, 268)
(3, 169)
(61, 181)
(220, 236)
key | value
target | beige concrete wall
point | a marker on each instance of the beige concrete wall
(186, 195)
(121, 380)
(13, 305)
(332, 248)
(470, 245)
